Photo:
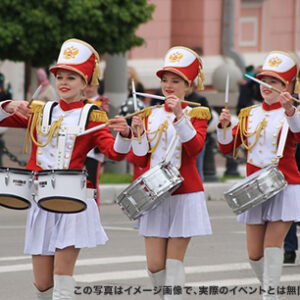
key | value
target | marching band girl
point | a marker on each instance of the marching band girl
(259, 130)
(54, 239)
(168, 228)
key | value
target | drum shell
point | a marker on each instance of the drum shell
(62, 191)
(255, 189)
(16, 188)
(149, 190)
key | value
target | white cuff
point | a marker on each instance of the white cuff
(185, 129)
(294, 121)
(228, 135)
(122, 145)
(3, 113)
(142, 148)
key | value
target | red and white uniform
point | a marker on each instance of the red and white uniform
(192, 133)
(184, 213)
(264, 154)
(47, 231)
(76, 148)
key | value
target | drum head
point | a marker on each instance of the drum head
(14, 202)
(62, 204)
(16, 171)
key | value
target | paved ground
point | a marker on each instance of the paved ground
(214, 264)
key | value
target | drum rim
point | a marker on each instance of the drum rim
(61, 212)
(61, 172)
(16, 170)
(18, 198)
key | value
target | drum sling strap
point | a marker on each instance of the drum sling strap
(171, 149)
(282, 141)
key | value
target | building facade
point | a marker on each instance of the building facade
(259, 26)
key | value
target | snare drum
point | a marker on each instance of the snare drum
(147, 191)
(255, 189)
(62, 191)
(16, 188)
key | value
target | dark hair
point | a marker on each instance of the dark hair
(101, 87)
(249, 68)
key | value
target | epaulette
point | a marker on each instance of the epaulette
(200, 113)
(98, 116)
(245, 112)
(37, 106)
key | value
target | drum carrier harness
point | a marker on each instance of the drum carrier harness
(64, 130)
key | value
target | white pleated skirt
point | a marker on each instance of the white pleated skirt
(284, 206)
(48, 231)
(183, 215)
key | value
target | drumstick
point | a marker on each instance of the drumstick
(226, 103)
(164, 98)
(138, 129)
(269, 86)
(35, 94)
(93, 129)
(108, 122)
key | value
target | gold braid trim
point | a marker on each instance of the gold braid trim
(159, 131)
(243, 115)
(146, 113)
(36, 123)
(36, 107)
(98, 116)
(245, 112)
(261, 126)
(200, 113)
(37, 103)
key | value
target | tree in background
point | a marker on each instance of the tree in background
(32, 31)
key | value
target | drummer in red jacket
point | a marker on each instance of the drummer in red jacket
(168, 228)
(54, 239)
(259, 130)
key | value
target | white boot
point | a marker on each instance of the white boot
(175, 276)
(258, 268)
(63, 287)
(46, 295)
(272, 272)
(158, 281)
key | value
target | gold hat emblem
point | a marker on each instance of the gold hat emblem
(175, 57)
(70, 52)
(274, 61)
